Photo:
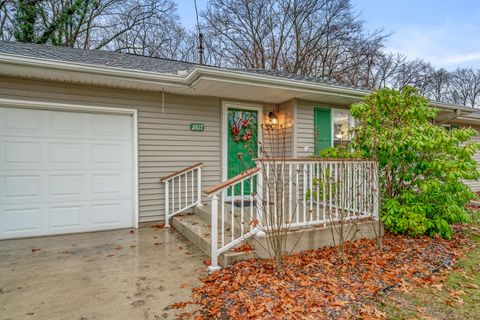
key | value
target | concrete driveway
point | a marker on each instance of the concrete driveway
(120, 274)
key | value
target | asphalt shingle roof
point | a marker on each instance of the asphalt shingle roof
(95, 57)
(132, 61)
(299, 77)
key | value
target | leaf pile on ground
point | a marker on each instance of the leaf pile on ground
(317, 285)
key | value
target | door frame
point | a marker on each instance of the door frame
(225, 105)
(65, 107)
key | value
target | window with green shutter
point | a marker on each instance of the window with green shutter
(322, 129)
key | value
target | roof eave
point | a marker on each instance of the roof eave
(194, 77)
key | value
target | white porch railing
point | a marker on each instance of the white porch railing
(317, 192)
(183, 190)
(234, 217)
(291, 193)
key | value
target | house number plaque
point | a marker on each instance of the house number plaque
(197, 127)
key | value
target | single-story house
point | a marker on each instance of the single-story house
(86, 136)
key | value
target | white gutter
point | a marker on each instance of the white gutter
(196, 75)
(242, 77)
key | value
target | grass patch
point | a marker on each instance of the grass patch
(454, 295)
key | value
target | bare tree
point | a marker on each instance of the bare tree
(311, 37)
(6, 19)
(462, 86)
(147, 27)
(439, 85)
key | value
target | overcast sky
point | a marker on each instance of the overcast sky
(444, 32)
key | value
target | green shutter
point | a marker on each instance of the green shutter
(322, 129)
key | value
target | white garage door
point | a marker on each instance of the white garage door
(63, 172)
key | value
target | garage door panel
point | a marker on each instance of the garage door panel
(109, 155)
(22, 153)
(22, 220)
(66, 155)
(23, 121)
(65, 178)
(109, 184)
(67, 124)
(63, 217)
(109, 127)
(66, 187)
(23, 187)
(106, 213)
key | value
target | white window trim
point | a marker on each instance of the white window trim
(225, 105)
(54, 106)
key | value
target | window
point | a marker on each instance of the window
(331, 127)
(342, 122)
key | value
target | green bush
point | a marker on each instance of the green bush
(422, 165)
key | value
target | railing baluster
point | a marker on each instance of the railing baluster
(290, 200)
(337, 187)
(317, 190)
(180, 192)
(186, 189)
(266, 193)
(297, 195)
(251, 204)
(282, 180)
(260, 200)
(232, 213)
(173, 195)
(167, 201)
(275, 194)
(310, 186)
(304, 188)
(242, 194)
(222, 208)
(324, 193)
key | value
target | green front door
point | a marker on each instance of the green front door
(242, 143)
(322, 129)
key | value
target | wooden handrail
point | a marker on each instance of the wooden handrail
(227, 183)
(179, 172)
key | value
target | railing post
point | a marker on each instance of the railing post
(199, 187)
(167, 203)
(214, 235)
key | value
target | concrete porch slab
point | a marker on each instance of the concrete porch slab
(101, 275)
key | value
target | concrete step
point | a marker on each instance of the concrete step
(196, 229)
(205, 213)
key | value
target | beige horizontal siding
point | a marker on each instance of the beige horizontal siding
(165, 141)
(305, 128)
(475, 185)
(284, 139)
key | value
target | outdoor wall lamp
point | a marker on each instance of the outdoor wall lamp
(273, 117)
